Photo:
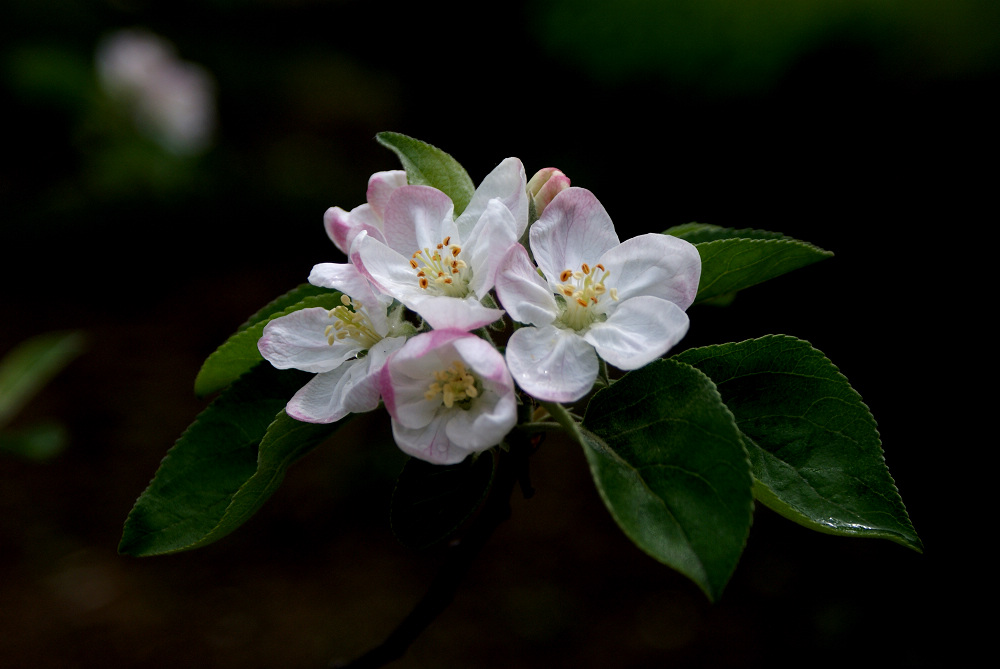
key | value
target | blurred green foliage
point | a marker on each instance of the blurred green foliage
(737, 46)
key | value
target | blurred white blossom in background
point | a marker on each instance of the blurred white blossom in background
(170, 100)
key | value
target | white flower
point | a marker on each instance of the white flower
(439, 266)
(343, 226)
(346, 347)
(449, 394)
(623, 302)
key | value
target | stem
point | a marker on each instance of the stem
(511, 470)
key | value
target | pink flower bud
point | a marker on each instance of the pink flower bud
(545, 185)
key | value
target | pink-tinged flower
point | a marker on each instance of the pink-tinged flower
(449, 394)
(624, 302)
(343, 226)
(440, 266)
(545, 185)
(346, 347)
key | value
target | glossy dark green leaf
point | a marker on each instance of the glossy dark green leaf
(668, 461)
(215, 477)
(732, 260)
(813, 444)
(431, 502)
(428, 165)
(239, 353)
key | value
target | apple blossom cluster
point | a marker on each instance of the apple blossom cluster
(575, 295)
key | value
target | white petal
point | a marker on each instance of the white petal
(388, 270)
(298, 341)
(639, 331)
(429, 443)
(417, 217)
(508, 183)
(524, 294)
(348, 279)
(457, 313)
(486, 245)
(574, 229)
(551, 363)
(654, 264)
(322, 400)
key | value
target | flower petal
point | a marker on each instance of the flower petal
(524, 294)
(457, 313)
(486, 245)
(417, 217)
(322, 399)
(574, 229)
(654, 264)
(508, 183)
(429, 443)
(342, 226)
(298, 341)
(380, 188)
(551, 363)
(639, 331)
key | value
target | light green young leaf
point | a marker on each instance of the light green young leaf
(215, 477)
(239, 353)
(732, 260)
(428, 165)
(431, 502)
(26, 368)
(814, 446)
(669, 464)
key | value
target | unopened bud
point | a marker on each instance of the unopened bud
(545, 185)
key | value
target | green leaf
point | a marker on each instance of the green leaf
(428, 165)
(813, 444)
(239, 353)
(26, 368)
(215, 477)
(732, 260)
(668, 461)
(431, 502)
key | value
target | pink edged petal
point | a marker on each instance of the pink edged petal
(508, 183)
(574, 229)
(524, 294)
(322, 400)
(342, 226)
(348, 279)
(551, 363)
(484, 360)
(654, 264)
(486, 245)
(351, 388)
(417, 217)
(388, 270)
(429, 443)
(639, 331)
(456, 313)
(298, 341)
(380, 188)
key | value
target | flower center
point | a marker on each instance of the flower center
(582, 290)
(454, 384)
(441, 270)
(351, 321)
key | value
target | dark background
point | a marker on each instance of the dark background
(866, 129)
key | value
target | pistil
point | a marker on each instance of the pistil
(441, 269)
(351, 321)
(582, 290)
(454, 384)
